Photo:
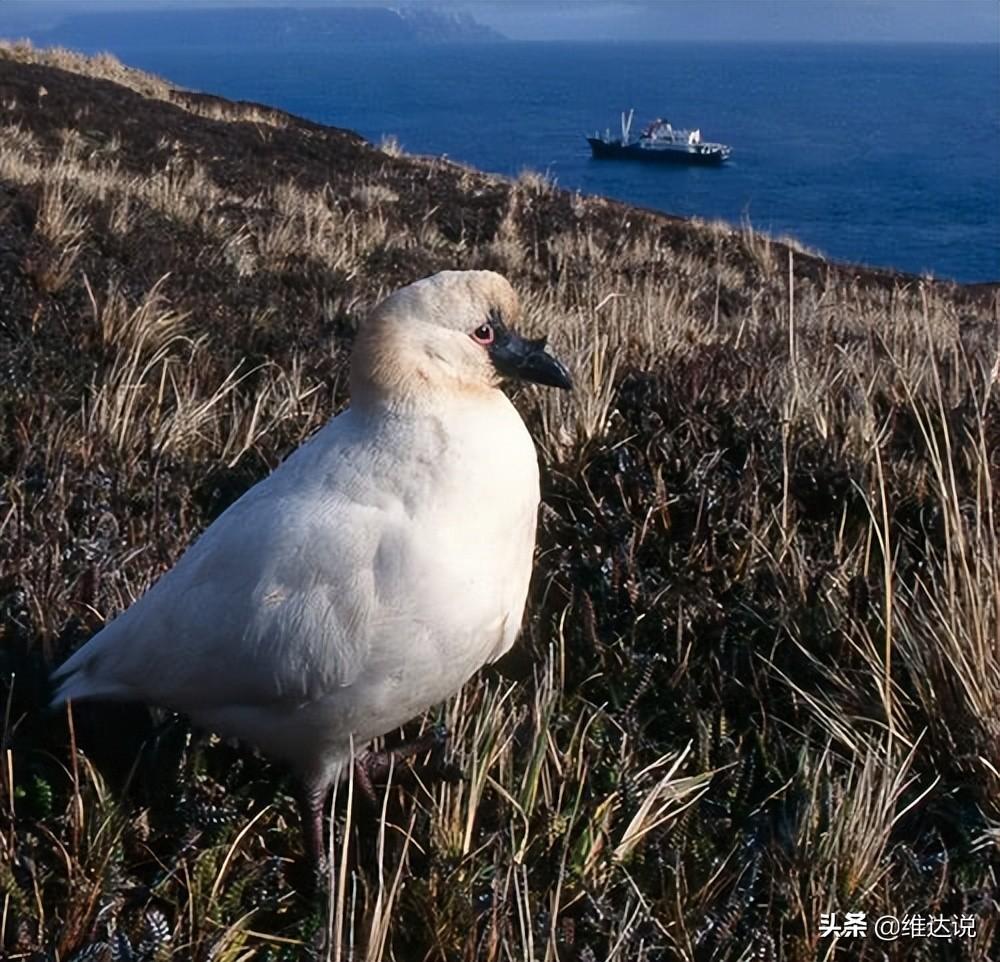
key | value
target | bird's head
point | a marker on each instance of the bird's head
(453, 331)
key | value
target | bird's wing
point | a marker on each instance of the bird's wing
(275, 602)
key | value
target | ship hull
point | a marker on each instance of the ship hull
(603, 150)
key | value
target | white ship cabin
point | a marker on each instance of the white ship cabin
(662, 131)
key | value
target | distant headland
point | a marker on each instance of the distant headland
(269, 26)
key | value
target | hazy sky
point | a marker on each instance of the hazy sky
(815, 20)
(790, 20)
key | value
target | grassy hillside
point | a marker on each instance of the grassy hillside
(759, 680)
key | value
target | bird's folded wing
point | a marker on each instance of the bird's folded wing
(275, 603)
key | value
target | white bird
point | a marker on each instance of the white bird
(374, 571)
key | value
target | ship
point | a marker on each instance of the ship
(659, 142)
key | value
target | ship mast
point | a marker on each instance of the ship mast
(626, 126)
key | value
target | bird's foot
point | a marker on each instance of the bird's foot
(371, 768)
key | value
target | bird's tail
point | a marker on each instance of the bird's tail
(78, 680)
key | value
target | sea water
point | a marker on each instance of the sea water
(875, 154)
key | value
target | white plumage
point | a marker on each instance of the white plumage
(375, 570)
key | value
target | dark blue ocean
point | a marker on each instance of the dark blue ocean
(885, 155)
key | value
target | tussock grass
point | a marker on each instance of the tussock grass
(390, 146)
(104, 66)
(759, 679)
(373, 194)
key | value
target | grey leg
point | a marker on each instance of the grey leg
(312, 799)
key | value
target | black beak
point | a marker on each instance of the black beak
(515, 356)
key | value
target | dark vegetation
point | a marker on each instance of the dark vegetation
(759, 680)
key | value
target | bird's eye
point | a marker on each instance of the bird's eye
(483, 334)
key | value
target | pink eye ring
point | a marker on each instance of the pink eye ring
(483, 334)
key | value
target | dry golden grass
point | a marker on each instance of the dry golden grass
(390, 146)
(104, 66)
(759, 680)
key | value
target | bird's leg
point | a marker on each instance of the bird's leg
(311, 798)
(318, 885)
(363, 778)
